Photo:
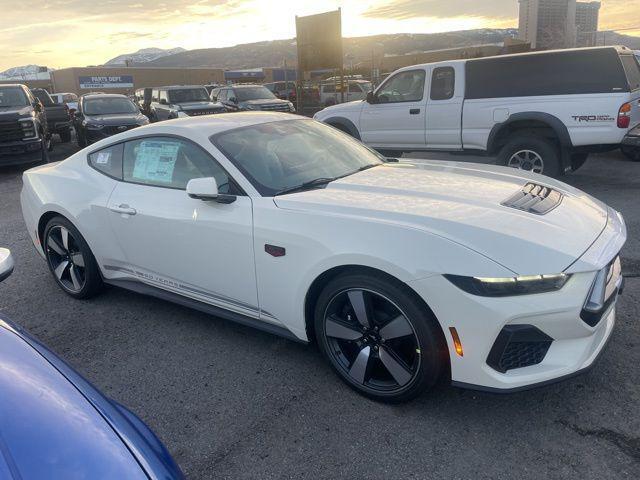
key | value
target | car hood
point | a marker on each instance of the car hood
(264, 101)
(199, 105)
(116, 119)
(463, 202)
(47, 425)
(355, 105)
(15, 113)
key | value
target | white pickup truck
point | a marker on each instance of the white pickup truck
(542, 111)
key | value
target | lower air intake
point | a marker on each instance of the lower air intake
(518, 346)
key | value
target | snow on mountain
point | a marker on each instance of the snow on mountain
(143, 55)
(25, 72)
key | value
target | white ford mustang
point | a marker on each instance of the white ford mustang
(401, 273)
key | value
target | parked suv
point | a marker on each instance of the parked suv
(331, 92)
(68, 99)
(24, 134)
(101, 115)
(58, 116)
(541, 111)
(238, 98)
(182, 101)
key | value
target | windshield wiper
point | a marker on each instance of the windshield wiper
(311, 184)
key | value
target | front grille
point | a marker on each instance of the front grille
(518, 346)
(197, 113)
(276, 107)
(11, 131)
(113, 129)
(604, 290)
(534, 198)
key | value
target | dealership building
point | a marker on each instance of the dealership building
(125, 80)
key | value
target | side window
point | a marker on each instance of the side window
(443, 83)
(222, 96)
(108, 161)
(170, 162)
(164, 96)
(214, 94)
(154, 95)
(402, 87)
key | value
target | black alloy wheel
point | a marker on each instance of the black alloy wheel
(384, 350)
(71, 262)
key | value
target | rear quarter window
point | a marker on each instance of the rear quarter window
(632, 70)
(108, 161)
(557, 73)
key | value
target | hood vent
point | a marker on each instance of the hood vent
(534, 198)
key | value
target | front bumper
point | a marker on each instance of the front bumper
(20, 152)
(632, 138)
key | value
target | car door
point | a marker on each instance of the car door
(444, 109)
(396, 116)
(198, 249)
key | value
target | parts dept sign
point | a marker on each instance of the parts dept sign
(102, 82)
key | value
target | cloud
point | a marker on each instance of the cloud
(406, 9)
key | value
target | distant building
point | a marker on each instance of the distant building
(548, 24)
(587, 14)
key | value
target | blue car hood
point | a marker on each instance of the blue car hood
(48, 428)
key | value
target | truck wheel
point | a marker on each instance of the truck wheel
(577, 160)
(65, 135)
(632, 153)
(531, 153)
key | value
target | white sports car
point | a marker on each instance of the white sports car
(400, 272)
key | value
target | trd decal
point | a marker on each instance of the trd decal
(593, 118)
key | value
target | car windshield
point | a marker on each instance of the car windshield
(280, 156)
(109, 106)
(185, 95)
(13, 97)
(253, 93)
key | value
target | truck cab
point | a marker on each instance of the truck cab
(24, 134)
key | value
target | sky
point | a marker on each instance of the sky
(64, 33)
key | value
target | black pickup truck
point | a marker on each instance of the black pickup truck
(24, 135)
(58, 115)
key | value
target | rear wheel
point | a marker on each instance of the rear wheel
(632, 153)
(70, 260)
(378, 338)
(533, 154)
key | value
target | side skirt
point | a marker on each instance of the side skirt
(145, 289)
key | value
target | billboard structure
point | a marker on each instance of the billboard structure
(319, 41)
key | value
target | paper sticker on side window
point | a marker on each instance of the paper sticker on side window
(103, 158)
(155, 161)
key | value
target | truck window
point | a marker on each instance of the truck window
(632, 70)
(443, 83)
(571, 72)
(407, 86)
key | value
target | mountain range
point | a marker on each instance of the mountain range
(25, 72)
(144, 55)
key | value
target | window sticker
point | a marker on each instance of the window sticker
(155, 161)
(103, 158)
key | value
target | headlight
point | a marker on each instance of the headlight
(93, 126)
(291, 107)
(143, 121)
(509, 286)
(29, 129)
(181, 114)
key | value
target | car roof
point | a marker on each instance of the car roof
(104, 95)
(179, 87)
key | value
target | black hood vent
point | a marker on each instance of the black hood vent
(534, 198)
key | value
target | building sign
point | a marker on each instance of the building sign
(116, 81)
(319, 40)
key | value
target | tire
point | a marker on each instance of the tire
(82, 141)
(402, 337)
(578, 160)
(71, 262)
(65, 135)
(531, 153)
(632, 153)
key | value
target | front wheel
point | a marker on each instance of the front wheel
(378, 338)
(533, 154)
(70, 260)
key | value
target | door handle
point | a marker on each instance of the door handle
(123, 208)
(414, 111)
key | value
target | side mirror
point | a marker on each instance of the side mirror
(206, 189)
(6, 264)
(371, 98)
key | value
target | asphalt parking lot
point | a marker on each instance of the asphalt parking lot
(232, 402)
